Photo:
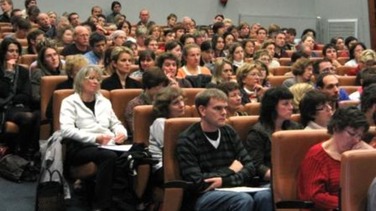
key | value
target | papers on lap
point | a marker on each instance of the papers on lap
(242, 189)
(123, 148)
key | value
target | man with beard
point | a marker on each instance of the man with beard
(328, 84)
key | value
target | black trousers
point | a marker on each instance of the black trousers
(105, 161)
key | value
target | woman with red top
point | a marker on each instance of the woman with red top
(319, 174)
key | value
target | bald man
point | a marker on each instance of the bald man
(81, 42)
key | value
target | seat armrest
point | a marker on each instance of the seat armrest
(178, 184)
(294, 204)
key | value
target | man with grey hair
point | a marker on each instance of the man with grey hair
(144, 19)
(81, 42)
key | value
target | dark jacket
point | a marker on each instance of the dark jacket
(113, 82)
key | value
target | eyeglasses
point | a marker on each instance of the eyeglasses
(255, 74)
(325, 107)
(354, 135)
(91, 78)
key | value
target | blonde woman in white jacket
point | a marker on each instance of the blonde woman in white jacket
(87, 121)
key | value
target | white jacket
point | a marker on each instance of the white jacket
(78, 122)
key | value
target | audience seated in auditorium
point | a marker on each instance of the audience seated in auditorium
(302, 70)
(319, 174)
(153, 81)
(355, 50)
(83, 132)
(6, 7)
(275, 115)
(81, 42)
(169, 103)
(48, 63)
(16, 100)
(211, 155)
(234, 103)
(169, 63)
(299, 90)
(270, 47)
(330, 52)
(73, 64)
(328, 84)
(146, 60)
(315, 110)
(98, 45)
(249, 78)
(236, 56)
(121, 61)
(368, 103)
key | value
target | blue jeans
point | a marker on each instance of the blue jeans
(226, 200)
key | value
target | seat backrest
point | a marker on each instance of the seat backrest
(143, 118)
(347, 80)
(343, 60)
(23, 42)
(190, 94)
(120, 99)
(242, 125)
(281, 70)
(347, 103)
(284, 61)
(344, 70)
(173, 127)
(47, 87)
(28, 59)
(277, 80)
(58, 97)
(289, 148)
(358, 169)
(350, 89)
(252, 108)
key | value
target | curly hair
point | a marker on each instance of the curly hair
(347, 117)
(298, 68)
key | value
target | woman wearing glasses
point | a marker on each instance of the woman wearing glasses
(315, 110)
(319, 174)
(250, 80)
(87, 121)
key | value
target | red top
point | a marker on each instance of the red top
(318, 178)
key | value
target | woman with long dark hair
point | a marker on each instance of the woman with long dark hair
(275, 115)
(15, 98)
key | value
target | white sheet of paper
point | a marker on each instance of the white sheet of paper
(242, 189)
(123, 148)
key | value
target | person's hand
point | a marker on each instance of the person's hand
(11, 64)
(103, 139)
(216, 182)
(267, 175)
(120, 138)
(236, 166)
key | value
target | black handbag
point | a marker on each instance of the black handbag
(50, 194)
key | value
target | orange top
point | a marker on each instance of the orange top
(183, 71)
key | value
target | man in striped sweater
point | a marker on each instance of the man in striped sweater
(211, 155)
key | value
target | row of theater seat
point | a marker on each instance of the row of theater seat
(288, 150)
(121, 97)
(292, 144)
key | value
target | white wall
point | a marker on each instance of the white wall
(349, 9)
(203, 11)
